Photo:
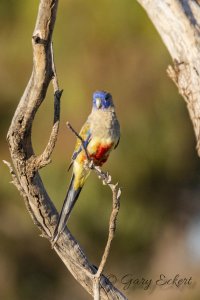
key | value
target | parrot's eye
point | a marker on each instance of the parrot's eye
(107, 97)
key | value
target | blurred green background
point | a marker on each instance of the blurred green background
(108, 45)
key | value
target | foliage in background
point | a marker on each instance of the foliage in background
(98, 45)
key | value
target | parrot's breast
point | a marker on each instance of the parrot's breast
(104, 135)
(101, 154)
(99, 150)
(104, 125)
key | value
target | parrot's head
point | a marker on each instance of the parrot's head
(102, 100)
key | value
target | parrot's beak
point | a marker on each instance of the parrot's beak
(98, 103)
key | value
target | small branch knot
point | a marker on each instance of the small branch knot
(38, 40)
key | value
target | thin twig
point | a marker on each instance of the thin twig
(55, 77)
(81, 139)
(45, 158)
(116, 191)
(112, 226)
(96, 288)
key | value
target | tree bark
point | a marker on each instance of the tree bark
(178, 23)
(26, 176)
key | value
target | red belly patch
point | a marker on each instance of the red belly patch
(101, 154)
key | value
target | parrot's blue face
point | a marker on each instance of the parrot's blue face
(102, 100)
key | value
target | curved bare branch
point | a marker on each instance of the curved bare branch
(26, 163)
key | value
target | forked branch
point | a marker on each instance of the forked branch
(26, 163)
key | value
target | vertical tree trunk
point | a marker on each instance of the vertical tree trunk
(177, 22)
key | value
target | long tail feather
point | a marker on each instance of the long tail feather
(69, 202)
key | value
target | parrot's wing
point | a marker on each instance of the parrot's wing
(85, 134)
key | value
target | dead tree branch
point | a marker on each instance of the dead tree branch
(27, 164)
(178, 23)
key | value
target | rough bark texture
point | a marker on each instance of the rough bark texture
(178, 23)
(26, 164)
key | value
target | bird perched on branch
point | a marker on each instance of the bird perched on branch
(100, 135)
